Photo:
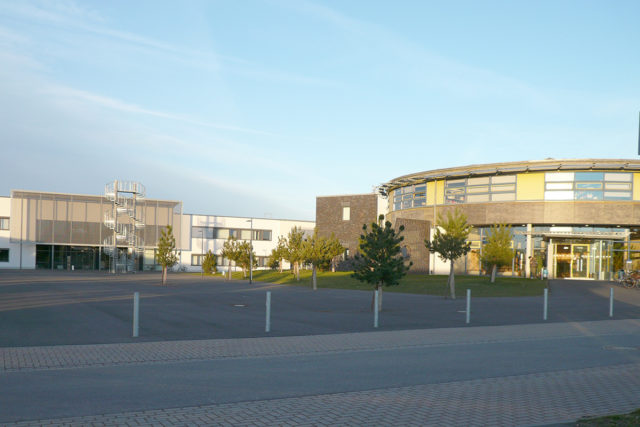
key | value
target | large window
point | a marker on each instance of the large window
(4, 255)
(4, 223)
(412, 196)
(501, 188)
(588, 186)
(224, 233)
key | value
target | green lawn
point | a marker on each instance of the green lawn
(412, 283)
(622, 420)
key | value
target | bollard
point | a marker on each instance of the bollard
(546, 303)
(267, 326)
(468, 306)
(136, 304)
(375, 308)
(611, 302)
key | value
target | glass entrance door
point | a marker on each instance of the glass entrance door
(579, 261)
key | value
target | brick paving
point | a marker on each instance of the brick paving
(534, 399)
(77, 356)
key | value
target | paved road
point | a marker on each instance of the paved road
(39, 309)
(507, 375)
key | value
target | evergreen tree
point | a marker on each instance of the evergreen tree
(452, 244)
(497, 251)
(380, 261)
(166, 255)
(209, 263)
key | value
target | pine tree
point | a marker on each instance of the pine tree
(452, 244)
(209, 264)
(380, 261)
(166, 255)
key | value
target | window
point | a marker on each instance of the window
(196, 259)
(4, 255)
(346, 213)
(499, 188)
(4, 223)
(588, 186)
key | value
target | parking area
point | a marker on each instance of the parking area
(44, 308)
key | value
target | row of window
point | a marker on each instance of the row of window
(4, 223)
(4, 255)
(502, 188)
(197, 259)
(225, 233)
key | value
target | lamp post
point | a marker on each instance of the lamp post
(251, 252)
(202, 256)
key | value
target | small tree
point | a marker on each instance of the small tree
(230, 251)
(497, 251)
(209, 265)
(380, 261)
(318, 252)
(335, 250)
(166, 255)
(452, 244)
(294, 253)
(244, 256)
(278, 254)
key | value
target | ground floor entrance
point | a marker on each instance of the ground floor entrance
(581, 259)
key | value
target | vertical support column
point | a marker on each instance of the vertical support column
(546, 304)
(528, 252)
(136, 305)
(267, 327)
(610, 302)
(550, 270)
(468, 306)
(375, 308)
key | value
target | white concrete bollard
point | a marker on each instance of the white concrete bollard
(546, 303)
(375, 308)
(267, 326)
(136, 311)
(611, 302)
(468, 306)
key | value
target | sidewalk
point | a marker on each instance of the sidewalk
(77, 356)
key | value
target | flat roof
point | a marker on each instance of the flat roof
(546, 165)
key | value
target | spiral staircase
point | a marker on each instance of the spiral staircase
(126, 220)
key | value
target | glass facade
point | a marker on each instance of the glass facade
(588, 186)
(198, 232)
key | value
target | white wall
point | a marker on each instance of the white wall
(28, 250)
(278, 227)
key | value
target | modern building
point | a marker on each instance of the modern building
(57, 231)
(577, 218)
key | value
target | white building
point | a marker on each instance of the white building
(57, 231)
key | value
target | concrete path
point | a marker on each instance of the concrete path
(532, 374)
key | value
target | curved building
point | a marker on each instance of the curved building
(576, 218)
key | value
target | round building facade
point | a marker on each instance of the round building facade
(574, 219)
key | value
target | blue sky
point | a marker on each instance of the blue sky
(254, 108)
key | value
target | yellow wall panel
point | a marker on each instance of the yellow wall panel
(431, 188)
(530, 186)
(636, 186)
(440, 192)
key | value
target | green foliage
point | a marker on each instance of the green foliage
(452, 244)
(319, 251)
(497, 251)
(244, 256)
(278, 254)
(294, 249)
(209, 264)
(166, 254)
(379, 261)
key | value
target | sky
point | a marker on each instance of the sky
(255, 107)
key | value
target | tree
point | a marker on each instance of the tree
(244, 256)
(335, 250)
(319, 251)
(380, 261)
(209, 264)
(497, 251)
(452, 244)
(294, 253)
(230, 251)
(166, 255)
(278, 254)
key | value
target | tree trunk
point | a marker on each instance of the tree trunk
(452, 282)
(379, 298)
(280, 265)
(313, 277)
(164, 275)
(296, 267)
(493, 273)
(229, 271)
